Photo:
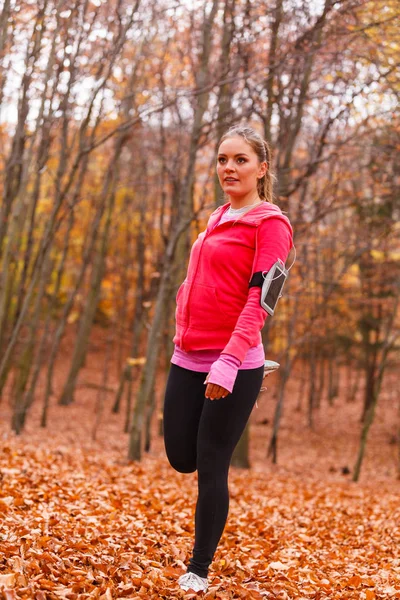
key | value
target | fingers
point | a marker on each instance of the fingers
(214, 391)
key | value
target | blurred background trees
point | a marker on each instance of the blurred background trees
(110, 113)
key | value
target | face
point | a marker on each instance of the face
(238, 168)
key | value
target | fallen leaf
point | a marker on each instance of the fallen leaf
(8, 580)
(279, 566)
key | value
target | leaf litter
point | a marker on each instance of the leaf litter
(83, 525)
(80, 522)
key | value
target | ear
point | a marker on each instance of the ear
(262, 170)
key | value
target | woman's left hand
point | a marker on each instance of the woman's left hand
(214, 391)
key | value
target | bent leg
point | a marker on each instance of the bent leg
(221, 425)
(183, 404)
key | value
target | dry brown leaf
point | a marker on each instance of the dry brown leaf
(354, 581)
(8, 580)
(278, 566)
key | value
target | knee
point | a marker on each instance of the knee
(182, 465)
(211, 466)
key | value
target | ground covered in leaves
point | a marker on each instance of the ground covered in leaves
(78, 521)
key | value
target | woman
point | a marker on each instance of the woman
(217, 340)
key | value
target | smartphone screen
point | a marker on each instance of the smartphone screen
(275, 288)
(272, 288)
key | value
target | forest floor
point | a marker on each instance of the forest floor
(79, 521)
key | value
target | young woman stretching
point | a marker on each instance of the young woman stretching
(218, 340)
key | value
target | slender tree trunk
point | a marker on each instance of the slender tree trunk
(224, 117)
(90, 310)
(140, 316)
(354, 384)
(101, 395)
(284, 376)
(302, 387)
(176, 250)
(149, 369)
(387, 346)
(320, 382)
(149, 416)
(272, 60)
(367, 422)
(311, 391)
(15, 162)
(332, 381)
(21, 402)
(240, 457)
(128, 413)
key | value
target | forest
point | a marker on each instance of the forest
(110, 117)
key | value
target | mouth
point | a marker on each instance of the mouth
(230, 179)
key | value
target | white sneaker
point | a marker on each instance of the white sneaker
(191, 581)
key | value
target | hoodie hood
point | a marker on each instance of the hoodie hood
(255, 216)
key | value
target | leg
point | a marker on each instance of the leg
(183, 404)
(221, 425)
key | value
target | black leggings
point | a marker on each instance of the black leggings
(202, 434)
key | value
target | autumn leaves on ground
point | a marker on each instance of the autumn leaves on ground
(79, 521)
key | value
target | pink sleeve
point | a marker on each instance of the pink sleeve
(274, 241)
(223, 371)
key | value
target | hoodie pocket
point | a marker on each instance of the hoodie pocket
(204, 310)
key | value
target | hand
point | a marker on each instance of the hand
(214, 391)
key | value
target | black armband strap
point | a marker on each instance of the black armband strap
(257, 280)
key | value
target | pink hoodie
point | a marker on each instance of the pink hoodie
(214, 310)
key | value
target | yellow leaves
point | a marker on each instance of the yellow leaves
(377, 255)
(133, 362)
(73, 316)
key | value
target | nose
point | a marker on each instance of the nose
(229, 166)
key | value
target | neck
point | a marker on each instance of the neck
(247, 200)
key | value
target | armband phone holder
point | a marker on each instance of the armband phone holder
(271, 290)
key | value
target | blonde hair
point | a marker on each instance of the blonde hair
(263, 151)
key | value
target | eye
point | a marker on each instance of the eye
(221, 160)
(241, 160)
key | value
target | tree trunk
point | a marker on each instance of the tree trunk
(284, 376)
(240, 457)
(101, 396)
(332, 381)
(149, 369)
(311, 391)
(87, 318)
(387, 346)
(86, 323)
(176, 252)
(272, 60)
(140, 316)
(224, 117)
(22, 401)
(149, 416)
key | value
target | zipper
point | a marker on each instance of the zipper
(190, 291)
(207, 234)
